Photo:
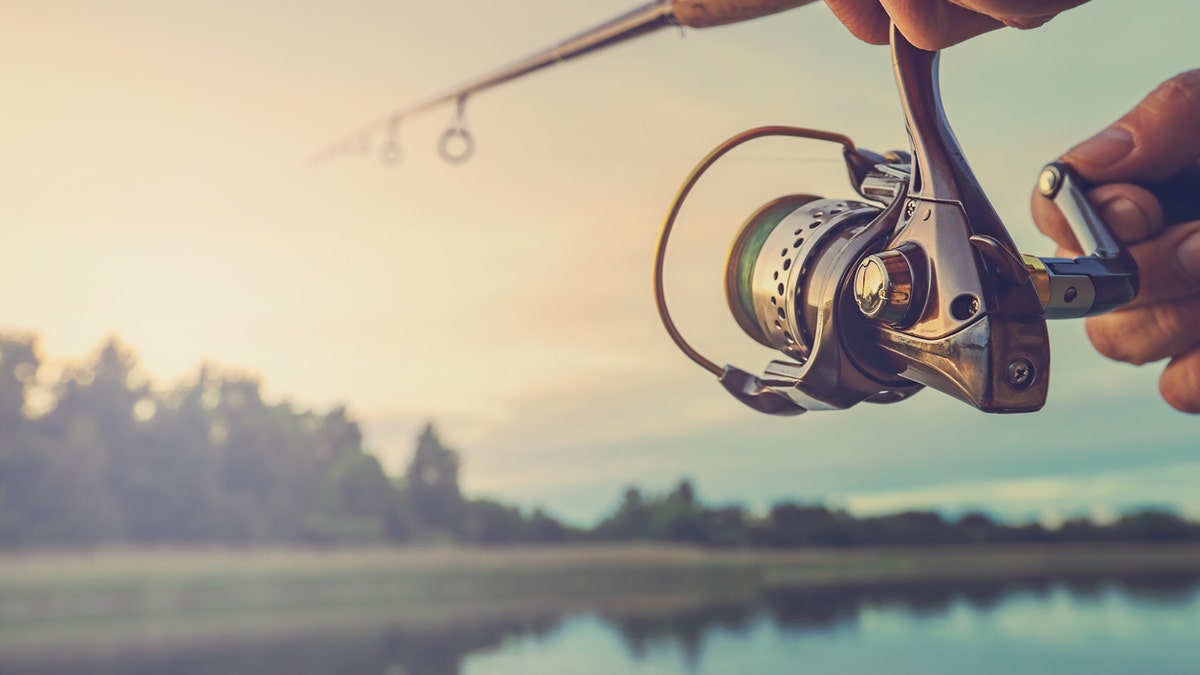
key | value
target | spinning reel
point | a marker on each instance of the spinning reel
(914, 284)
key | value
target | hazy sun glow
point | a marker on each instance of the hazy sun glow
(156, 186)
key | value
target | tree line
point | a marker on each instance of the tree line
(95, 454)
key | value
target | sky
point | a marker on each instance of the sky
(157, 184)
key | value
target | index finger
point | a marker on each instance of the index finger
(928, 25)
(1156, 140)
(1132, 214)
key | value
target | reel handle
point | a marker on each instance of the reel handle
(1103, 279)
(1106, 277)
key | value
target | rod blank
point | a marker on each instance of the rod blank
(706, 13)
(635, 23)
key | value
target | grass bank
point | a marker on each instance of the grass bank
(166, 596)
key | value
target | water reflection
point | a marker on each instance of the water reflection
(684, 627)
(399, 651)
(808, 611)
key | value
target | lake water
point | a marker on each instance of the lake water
(1093, 626)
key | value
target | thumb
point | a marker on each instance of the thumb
(1154, 141)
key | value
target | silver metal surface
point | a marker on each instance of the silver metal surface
(885, 183)
(883, 287)
(1104, 278)
(1090, 230)
(780, 273)
(1072, 296)
(833, 377)
(981, 311)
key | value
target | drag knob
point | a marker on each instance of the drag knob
(883, 287)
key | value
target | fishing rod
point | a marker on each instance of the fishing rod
(457, 145)
(913, 283)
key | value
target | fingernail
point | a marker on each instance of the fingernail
(1123, 215)
(1026, 23)
(1189, 255)
(1107, 147)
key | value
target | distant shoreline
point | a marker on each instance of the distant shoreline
(131, 597)
(38, 571)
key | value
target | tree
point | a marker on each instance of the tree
(358, 504)
(910, 528)
(543, 528)
(55, 483)
(979, 528)
(629, 522)
(1154, 524)
(21, 465)
(431, 486)
(678, 516)
(489, 522)
(790, 524)
(18, 365)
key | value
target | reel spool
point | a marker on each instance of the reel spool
(766, 273)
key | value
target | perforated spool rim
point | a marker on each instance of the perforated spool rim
(735, 290)
(784, 262)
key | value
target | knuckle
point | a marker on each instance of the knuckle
(1180, 386)
(1131, 212)
(1181, 91)
(1106, 340)
(925, 37)
(1140, 337)
(1166, 323)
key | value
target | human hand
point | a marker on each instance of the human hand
(936, 24)
(1157, 140)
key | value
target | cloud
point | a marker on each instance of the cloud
(1103, 494)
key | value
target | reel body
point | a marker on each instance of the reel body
(917, 284)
